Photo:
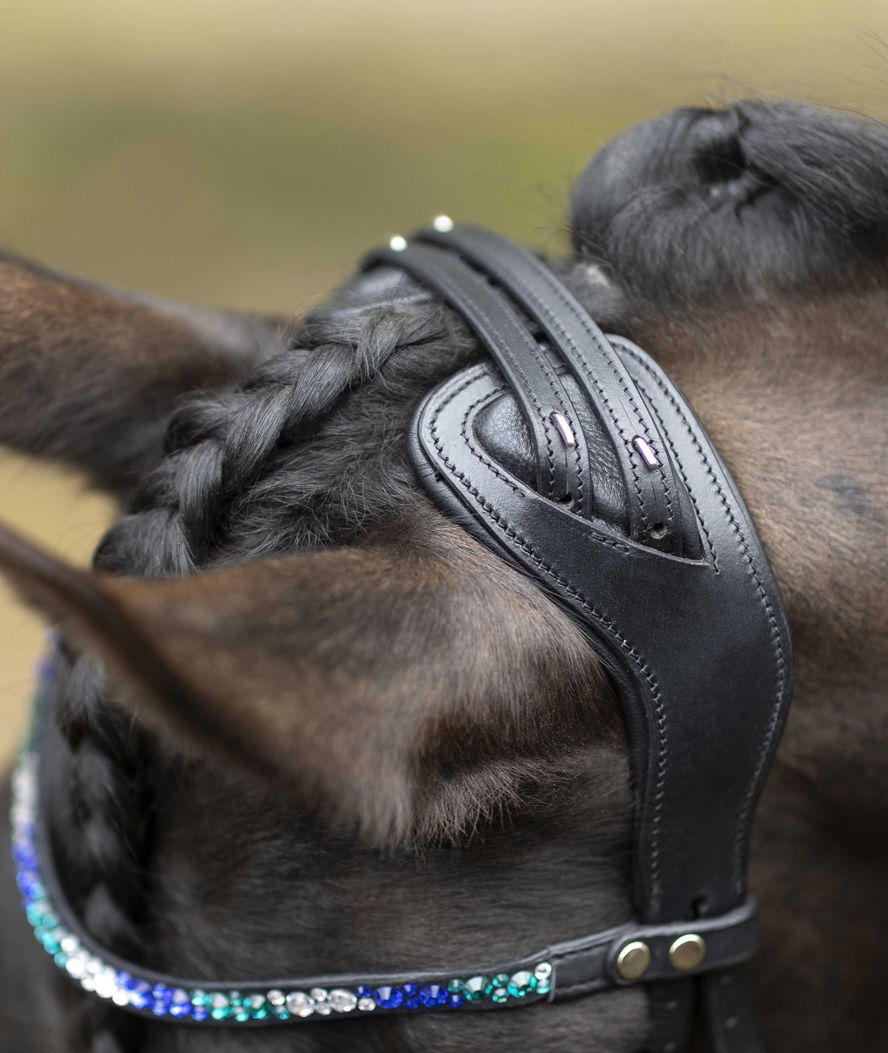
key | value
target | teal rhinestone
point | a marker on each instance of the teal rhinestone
(51, 940)
(258, 1006)
(455, 986)
(497, 989)
(474, 989)
(40, 916)
(240, 1011)
(522, 984)
(220, 1007)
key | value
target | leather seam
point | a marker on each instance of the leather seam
(528, 387)
(653, 686)
(709, 542)
(543, 306)
(743, 818)
(476, 452)
(485, 460)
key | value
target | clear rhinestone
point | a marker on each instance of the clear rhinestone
(69, 944)
(543, 971)
(300, 1004)
(105, 983)
(76, 966)
(322, 1006)
(366, 1005)
(343, 1001)
(276, 998)
(121, 996)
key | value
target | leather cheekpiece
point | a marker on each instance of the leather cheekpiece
(687, 616)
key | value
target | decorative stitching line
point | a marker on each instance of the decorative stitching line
(709, 543)
(488, 462)
(561, 397)
(745, 814)
(465, 432)
(458, 294)
(643, 425)
(656, 698)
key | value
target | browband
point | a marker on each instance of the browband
(576, 459)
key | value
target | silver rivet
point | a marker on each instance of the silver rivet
(633, 960)
(444, 224)
(397, 243)
(564, 430)
(687, 952)
(647, 452)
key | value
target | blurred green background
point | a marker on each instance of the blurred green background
(244, 152)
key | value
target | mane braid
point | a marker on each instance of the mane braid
(232, 487)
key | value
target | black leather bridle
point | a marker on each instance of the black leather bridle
(629, 520)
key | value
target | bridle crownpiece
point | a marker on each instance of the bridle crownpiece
(575, 458)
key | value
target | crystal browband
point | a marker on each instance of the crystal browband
(577, 967)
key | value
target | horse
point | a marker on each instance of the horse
(304, 723)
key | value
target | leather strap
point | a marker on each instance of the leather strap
(562, 467)
(698, 647)
(729, 1019)
(658, 505)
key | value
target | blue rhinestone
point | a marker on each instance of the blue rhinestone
(432, 995)
(125, 980)
(199, 1013)
(24, 856)
(363, 992)
(141, 996)
(455, 1000)
(388, 997)
(161, 1000)
(411, 996)
(29, 884)
(180, 1003)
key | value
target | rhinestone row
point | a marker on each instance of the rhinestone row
(124, 989)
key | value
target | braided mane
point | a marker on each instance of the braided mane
(305, 452)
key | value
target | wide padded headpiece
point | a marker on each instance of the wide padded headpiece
(573, 456)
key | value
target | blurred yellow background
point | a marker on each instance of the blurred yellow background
(244, 152)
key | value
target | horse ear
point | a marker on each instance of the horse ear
(385, 681)
(89, 374)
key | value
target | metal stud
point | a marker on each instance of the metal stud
(443, 224)
(687, 952)
(564, 430)
(647, 452)
(397, 243)
(633, 960)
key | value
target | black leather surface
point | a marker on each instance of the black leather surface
(690, 622)
(562, 473)
(659, 512)
(699, 648)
